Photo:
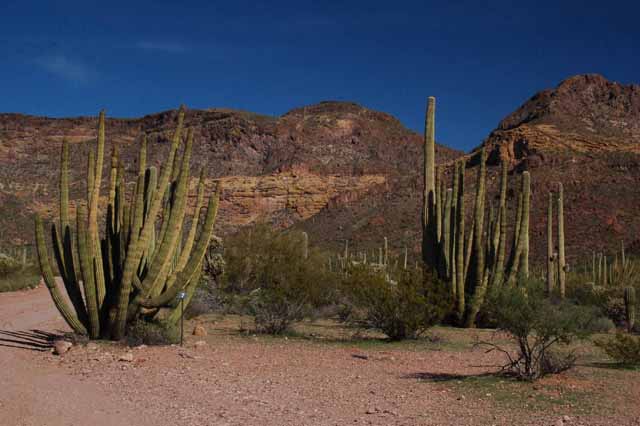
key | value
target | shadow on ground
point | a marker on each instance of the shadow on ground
(445, 377)
(34, 340)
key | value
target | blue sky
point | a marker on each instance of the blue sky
(481, 59)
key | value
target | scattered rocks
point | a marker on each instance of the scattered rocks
(61, 347)
(199, 330)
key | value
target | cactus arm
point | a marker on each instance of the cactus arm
(523, 228)
(481, 283)
(498, 276)
(189, 272)
(562, 265)
(460, 225)
(550, 263)
(64, 261)
(186, 251)
(159, 268)
(135, 248)
(49, 279)
(429, 236)
(446, 235)
(88, 269)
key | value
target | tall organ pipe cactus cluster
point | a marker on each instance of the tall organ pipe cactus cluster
(136, 268)
(471, 257)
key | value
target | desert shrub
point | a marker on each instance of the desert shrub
(16, 276)
(272, 280)
(539, 327)
(623, 348)
(402, 304)
(152, 333)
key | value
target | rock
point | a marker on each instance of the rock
(200, 344)
(566, 418)
(126, 357)
(199, 330)
(92, 346)
(559, 422)
(61, 346)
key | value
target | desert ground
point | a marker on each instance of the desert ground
(320, 375)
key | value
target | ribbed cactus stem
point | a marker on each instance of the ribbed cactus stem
(439, 203)
(550, 254)
(631, 307)
(478, 243)
(523, 229)
(446, 234)
(524, 233)
(499, 267)
(562, 266)
(460, 225)
(136, 248)
(88, 272)
(49, 279)
(429, 237)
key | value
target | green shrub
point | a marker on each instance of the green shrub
(269, 277)
(16, 276)
(538, 326)
(152, 334)
(623, 348)
(403, 305)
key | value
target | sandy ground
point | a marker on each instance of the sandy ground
(226, 379)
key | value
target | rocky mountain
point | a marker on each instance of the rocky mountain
(342, 171)
(286, 170)
(584, 133)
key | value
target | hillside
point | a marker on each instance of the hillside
(320, 158)
(342, 171)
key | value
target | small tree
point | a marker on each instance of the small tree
(538, 326)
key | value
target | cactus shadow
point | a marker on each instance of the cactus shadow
(34, 340)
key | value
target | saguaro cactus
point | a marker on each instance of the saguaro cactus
(125, 272)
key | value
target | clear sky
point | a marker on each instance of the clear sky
(481, 59)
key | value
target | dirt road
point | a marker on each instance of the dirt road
(227, 379)
(34, 392)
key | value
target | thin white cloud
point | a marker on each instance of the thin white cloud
(66, 68)
(162, 46)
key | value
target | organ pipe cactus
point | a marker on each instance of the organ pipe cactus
(127, 273)
(478, 242)
(471, 259)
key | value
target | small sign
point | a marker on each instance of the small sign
(182, 295)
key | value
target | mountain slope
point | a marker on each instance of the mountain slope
(280, 169)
